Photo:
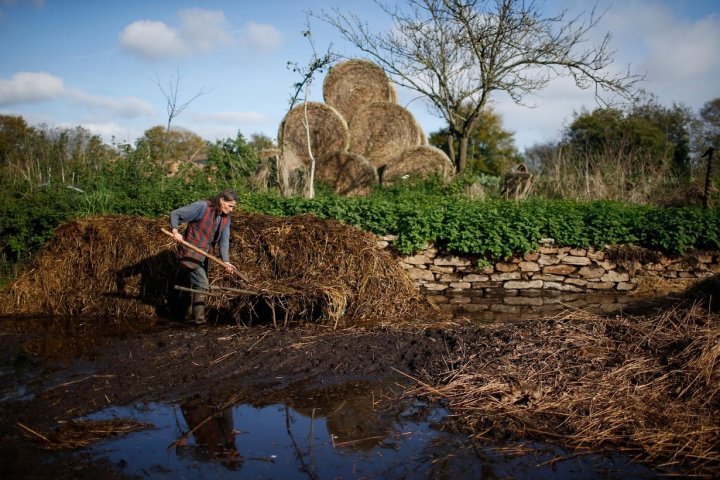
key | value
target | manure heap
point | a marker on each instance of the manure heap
(299, 269)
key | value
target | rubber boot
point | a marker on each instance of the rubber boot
(198, 308)
(189, 310)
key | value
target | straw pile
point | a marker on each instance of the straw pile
(309, 269)
(649, 386)
(327, 131)
(349, 174)
(301, 269)
(381, 131)
(112, 266)
(420, 161)
(352, 84)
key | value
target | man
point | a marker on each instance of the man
(208, 226)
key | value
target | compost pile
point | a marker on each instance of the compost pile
(292, 270)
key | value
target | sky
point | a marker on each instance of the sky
(105, 65)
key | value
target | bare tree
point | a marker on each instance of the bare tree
(317, 64)
(172, 102)
(459, 53)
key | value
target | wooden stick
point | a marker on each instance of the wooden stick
(203, 252)
(202, 292)
(236, 290)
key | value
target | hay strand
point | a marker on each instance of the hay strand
(327, 132)
(352, 84)
(349, 174)
(383, 130)
(304, 269)
(421, 161)
(649, 386)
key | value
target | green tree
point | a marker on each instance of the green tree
(259, 141)
(232, 160)
(13, 132)
(491, 149)
(651, 131)
(675, 123)
(178, 144)
(709, 126)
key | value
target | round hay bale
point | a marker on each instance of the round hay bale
(350, 85)
(381, 131)
(328, 131)
(421, 161)
(349, 174)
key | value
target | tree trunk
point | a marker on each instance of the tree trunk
(451, 147)
(462, 156)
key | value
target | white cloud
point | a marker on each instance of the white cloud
(36, 3)
(261, 37)
(109, 131)
(36, 87)
(30, 87)
(200, 31)
(153, 40)
(677, 55)
(126, 106)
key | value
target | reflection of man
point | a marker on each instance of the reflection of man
(214, 434)
(351, 418)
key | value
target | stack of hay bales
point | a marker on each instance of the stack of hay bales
(360, 136)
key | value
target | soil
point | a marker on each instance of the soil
(57, 370)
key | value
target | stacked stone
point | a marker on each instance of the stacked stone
(551, 268)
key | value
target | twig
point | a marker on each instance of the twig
(30, 430)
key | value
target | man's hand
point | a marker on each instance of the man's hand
(176, 235)
(229, 268)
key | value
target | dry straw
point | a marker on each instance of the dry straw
(647, 386)
(383, 130)
(321, 124)
(349, 174)
(112, 266)
(81, 433)
(301, 269)
(421, 161)
(350, 85)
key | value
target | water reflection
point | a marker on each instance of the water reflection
(337, 428)
(529, 305)
(214, 432)
(349, 409)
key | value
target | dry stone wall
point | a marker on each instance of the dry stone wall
(551, 269)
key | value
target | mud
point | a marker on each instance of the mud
(57, 370)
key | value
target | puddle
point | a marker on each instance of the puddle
(340, 431)
(533, 305)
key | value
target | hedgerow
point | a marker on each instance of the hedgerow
(418, 215)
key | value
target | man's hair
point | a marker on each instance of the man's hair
(228, 195)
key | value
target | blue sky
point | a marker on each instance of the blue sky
(97, 64)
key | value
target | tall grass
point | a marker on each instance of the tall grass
(616, 175)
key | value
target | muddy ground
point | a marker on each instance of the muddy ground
(54, 371)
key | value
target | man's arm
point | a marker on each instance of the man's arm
(188, 213)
